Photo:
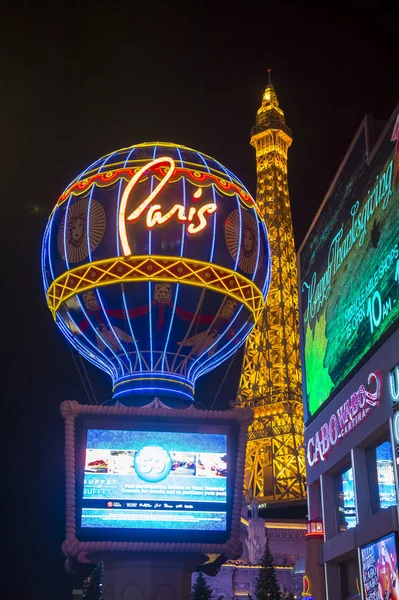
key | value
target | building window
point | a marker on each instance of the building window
(349, 578)
(344, 492)
(380, 464)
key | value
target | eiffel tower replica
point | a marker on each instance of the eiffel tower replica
(271, 374)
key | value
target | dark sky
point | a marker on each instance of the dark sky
(80, 79)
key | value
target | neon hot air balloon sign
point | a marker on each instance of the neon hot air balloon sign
(154, 213)
(156, 265)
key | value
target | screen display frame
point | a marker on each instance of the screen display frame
(390, 536)
(233, 422)
(143, 534)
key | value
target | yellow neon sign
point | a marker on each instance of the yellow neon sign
(155, 268)
(154, 214)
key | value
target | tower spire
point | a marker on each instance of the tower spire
(271, 374)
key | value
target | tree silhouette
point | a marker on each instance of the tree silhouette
(201, 590)
(266, 586)
(93, 585)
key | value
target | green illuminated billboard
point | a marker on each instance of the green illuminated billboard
(349, 266)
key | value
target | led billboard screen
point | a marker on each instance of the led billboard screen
(143, 481)
(155, 480)
(380, 569)
(349, 267)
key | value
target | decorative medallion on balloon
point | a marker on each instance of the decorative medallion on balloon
(243, 239)
(174, 283)
(72, 235)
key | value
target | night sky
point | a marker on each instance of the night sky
(81, 79)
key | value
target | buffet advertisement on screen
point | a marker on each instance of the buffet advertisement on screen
(380, 569)
(154, 479)
(349, 267)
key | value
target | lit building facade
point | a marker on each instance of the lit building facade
(349, 315)
(287, 540)
(271, 375)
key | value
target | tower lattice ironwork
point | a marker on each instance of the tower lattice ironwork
(271, 375)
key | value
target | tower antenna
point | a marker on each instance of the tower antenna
(269, 71)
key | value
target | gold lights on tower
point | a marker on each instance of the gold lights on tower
(271, 375)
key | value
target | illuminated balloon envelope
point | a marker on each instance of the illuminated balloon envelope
(156, 265)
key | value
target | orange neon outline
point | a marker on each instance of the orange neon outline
(155, 217)
(125, 196)
(196, 177)
(207, 208)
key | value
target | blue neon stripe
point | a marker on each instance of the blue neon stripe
(230, 352)
(171, 391)
(214, 344)
(89, 168)
(220, 361)
(214, 214)
(154, 154)
(181, 254)
(149, 283)
(118, 249)
(106, 159)
(118, 252)
(240, 236)
(214, 225)
(118, 203)
(211, 361)
(72, 339)
(212, 250)
(204, 161)
(113, 331)
(253, 277)
(45, 256)
(75, 342)
(79, 177)
(50, 234)
(105, 364)
(88, 213)
(87, 223)
(150, 320)
(172, 376)
(65, 228)
(234, 178)
(131, 329)
(225, 171)
(96, 333)
(90, 260)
